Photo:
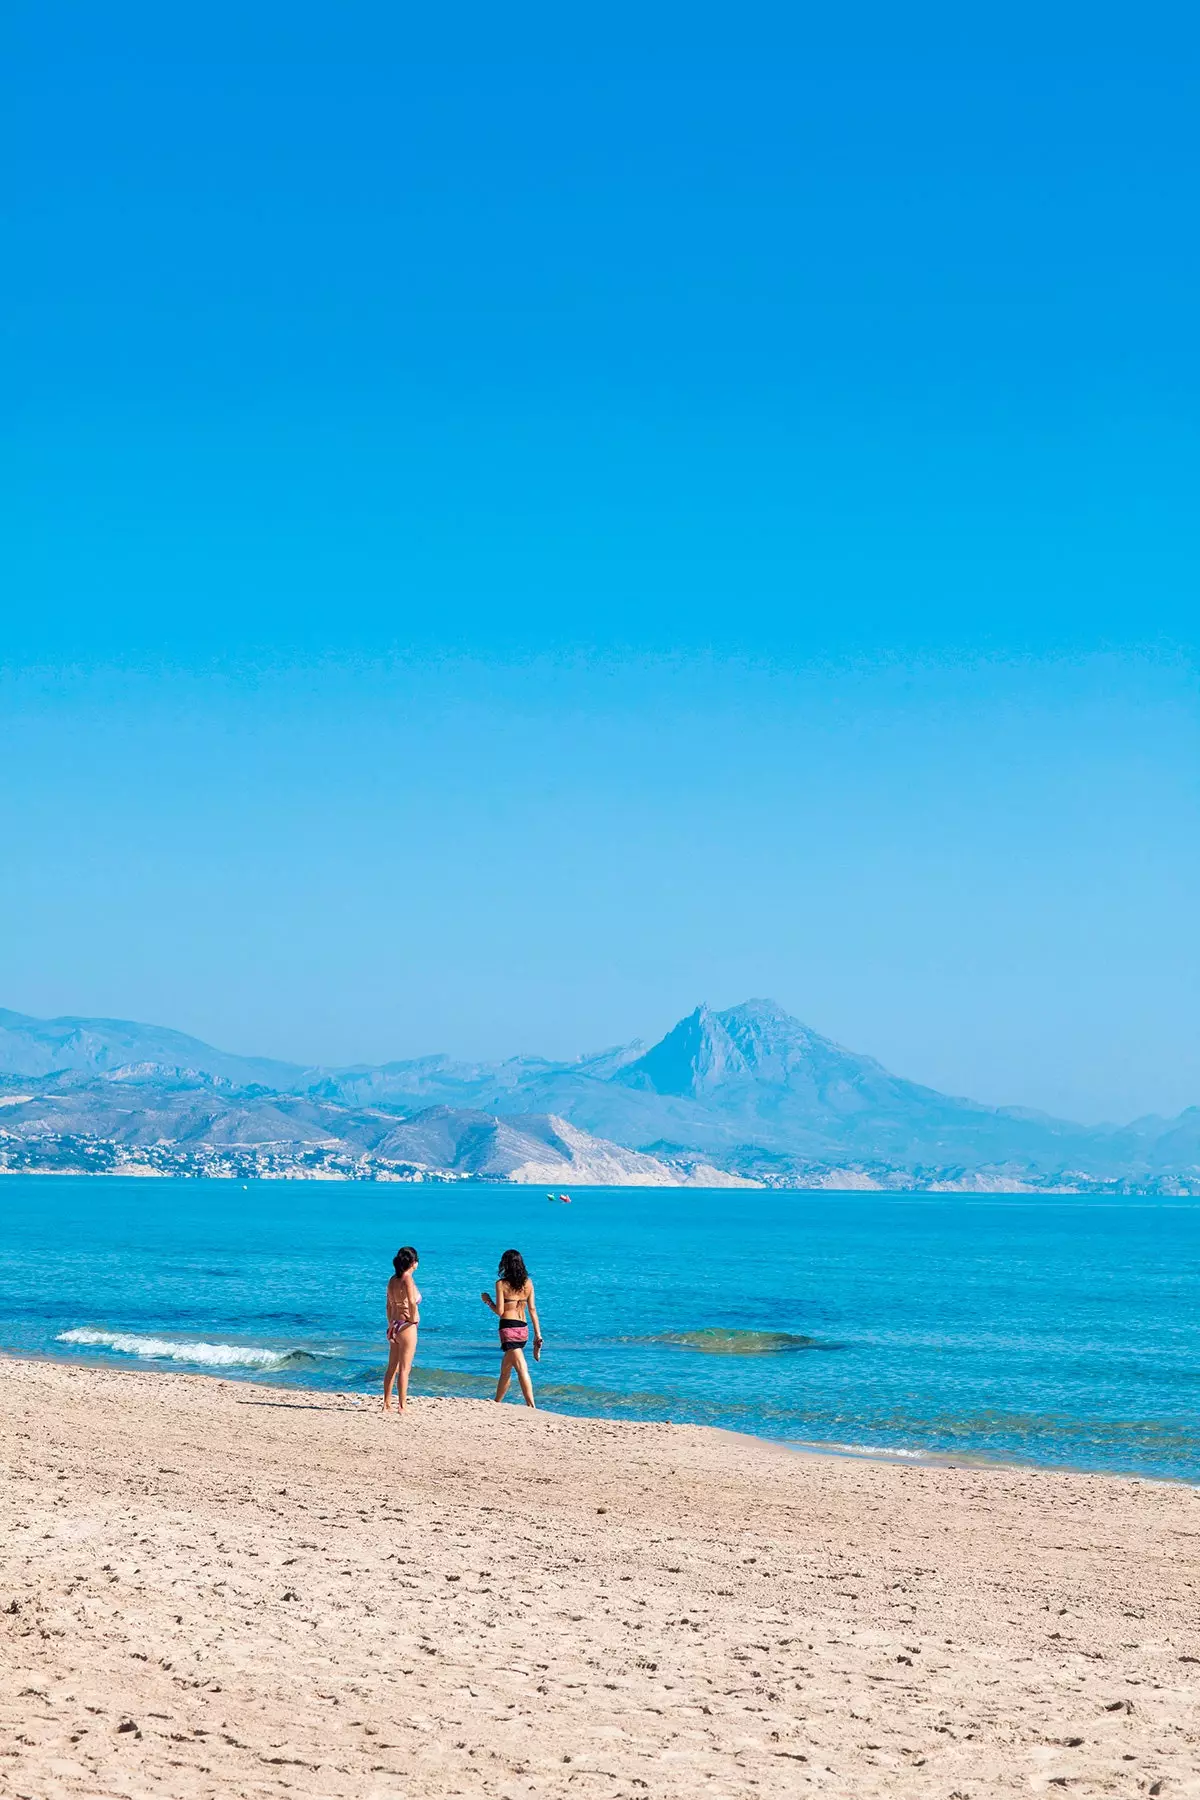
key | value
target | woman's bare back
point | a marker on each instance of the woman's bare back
(512, 1302)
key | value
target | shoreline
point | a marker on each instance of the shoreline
(949, 1189)
(212, 1587)
(912, 1457)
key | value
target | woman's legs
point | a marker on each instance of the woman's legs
(521, 1367)
(408, 1349)
(390, 1376)
(506, 1369)
(514, 1359)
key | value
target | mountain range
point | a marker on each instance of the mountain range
(748, 1094)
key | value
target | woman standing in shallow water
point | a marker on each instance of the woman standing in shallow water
(403, 1317)
(514, 1297)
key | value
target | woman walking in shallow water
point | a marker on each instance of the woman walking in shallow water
(514, 1298)
(403, 1316)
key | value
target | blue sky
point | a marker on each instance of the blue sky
(517, 526)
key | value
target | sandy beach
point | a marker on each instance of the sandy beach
(211, 1588)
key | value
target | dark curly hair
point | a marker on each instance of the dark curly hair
(404, 1259)
(512, 1271)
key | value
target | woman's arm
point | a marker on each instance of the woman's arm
(488, 1301)
(536, 1322)
(410, 1295)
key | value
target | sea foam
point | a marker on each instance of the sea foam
(209, 1356)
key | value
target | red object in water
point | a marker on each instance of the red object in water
(565, 1198)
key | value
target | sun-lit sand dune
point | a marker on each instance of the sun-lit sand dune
(214, 1589)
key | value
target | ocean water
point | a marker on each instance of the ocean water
(1063, 1332)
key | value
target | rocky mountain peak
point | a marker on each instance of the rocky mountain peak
(770, 1041)
(755, 1042)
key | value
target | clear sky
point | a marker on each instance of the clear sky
(518, 523)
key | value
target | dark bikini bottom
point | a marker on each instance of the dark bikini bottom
(514, 1334)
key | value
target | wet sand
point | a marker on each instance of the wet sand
(218, 1589)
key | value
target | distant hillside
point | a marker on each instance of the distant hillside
(757, 1091)
(99, 1046)
(750, 1091)
(139, 1122)
(534, 1147)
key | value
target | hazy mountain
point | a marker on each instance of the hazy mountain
(753, 1089)
(750, 1090)
(771, 1081)
(433, 1079)
(149, 1108)
(96, 1046)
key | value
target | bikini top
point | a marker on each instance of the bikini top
(511, 1297)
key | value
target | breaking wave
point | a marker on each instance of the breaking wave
(874, 1452)
(209, 1356)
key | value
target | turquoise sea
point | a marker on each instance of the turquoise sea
(1056, 1331)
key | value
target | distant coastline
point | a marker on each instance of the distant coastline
(746, 1098)
(175, 1164)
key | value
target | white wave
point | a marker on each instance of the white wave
(214, 1356)
(889, 1452)
(883, 1450)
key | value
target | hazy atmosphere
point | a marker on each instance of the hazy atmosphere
(988, 877)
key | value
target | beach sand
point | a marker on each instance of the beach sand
(213, 1588)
